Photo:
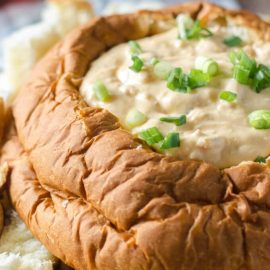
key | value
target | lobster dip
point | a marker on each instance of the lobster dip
(193, 92)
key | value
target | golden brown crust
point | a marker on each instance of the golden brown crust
(4, 166)
(1, 218)
(3, 176)
(97, 201)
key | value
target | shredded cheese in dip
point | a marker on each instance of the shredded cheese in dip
(216, 131)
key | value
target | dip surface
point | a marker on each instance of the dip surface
(216, 131)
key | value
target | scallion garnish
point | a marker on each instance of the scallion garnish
(197, 31)
(190, 29)
(261, 79)
(162, 70)
(184, 23)
(151, 136)
(244, 67)
(101, 91)
(260, 159)
(259, 119)
(177, 120)
(154, 61)
(172, 140)
(241, 59)
(242, 74)
(137, 63)
(178, 81)
(181, 82)
(134, 47)
(197, 78)
(228, 96)
(232, 41)
(246, 71)
(207, 65)
(135, 118)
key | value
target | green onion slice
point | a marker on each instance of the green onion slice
(197, 31)
(154, 61)
(135, 118)
(232, 41)
(247, 71)
(184, 23)
(137, 64)
(244, 67)
(162, 70)
(188, 29)
(261, 79)
(101, 91)
(228, 96)
(198, 78)
(259, 119)
(172, 140)
(242, 59)
(134, 47)
(177, 120)
(178, 81)
(151, 136)
(207, 65)
(242, 74)
(260, 159)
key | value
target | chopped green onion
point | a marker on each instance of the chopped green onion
(177, 120)
(188, 29)
(151, 136)
(101, 91)
(262, 78)
(197, 31)
(178, 81)
(135, 118)
(137, 64)
(184, 23)
(260, 159)
(207, 65)
(247, 71)
(154, 61)
(232, 41)
(228, 96)
(197, 78)
(241, 74)
(162, 70)
(259, 119)
(242, 59)
(205, 32)
(172, 140)
(244, 67)
(134, 47)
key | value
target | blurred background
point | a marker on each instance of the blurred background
(15, 14)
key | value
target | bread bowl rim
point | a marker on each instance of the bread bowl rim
(22, 117)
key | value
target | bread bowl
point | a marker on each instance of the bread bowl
(99, 198)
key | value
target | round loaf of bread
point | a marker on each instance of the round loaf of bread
(99, 199)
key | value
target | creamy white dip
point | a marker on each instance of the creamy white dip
(216, 131)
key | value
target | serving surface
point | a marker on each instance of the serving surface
(98, 201)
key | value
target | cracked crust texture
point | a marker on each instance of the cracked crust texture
(97, 201)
